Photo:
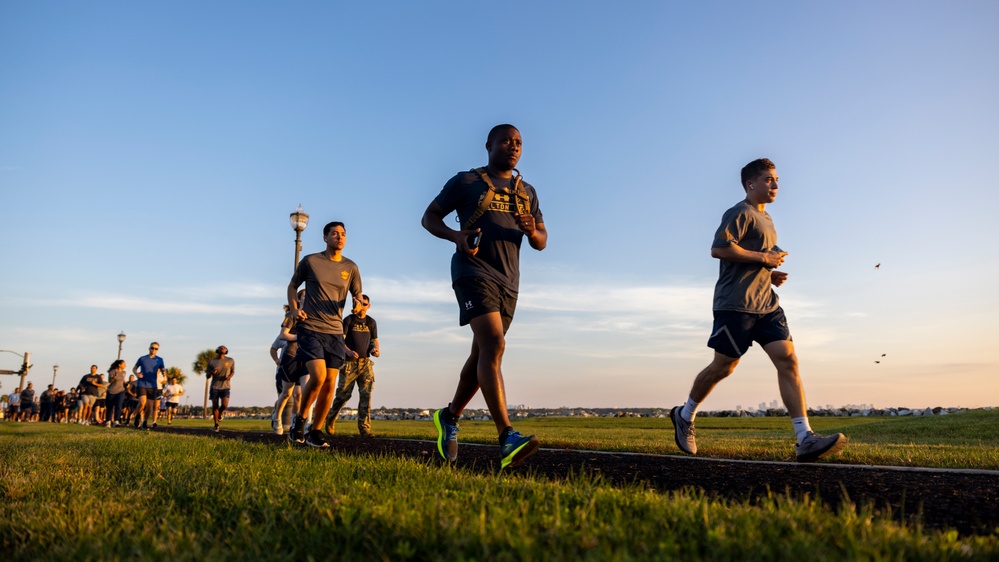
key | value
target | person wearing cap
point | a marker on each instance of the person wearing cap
(220, 370)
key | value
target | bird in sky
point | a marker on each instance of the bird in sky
(878, 266)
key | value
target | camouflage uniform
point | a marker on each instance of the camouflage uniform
(357, 371)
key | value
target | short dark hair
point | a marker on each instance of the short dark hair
(495, 131)
(114, 366)
(330, 226)
(755, 168)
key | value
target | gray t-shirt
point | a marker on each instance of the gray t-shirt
(116, 382)
(220, 370)
(327, 284)
(498, 257)
(745, 287)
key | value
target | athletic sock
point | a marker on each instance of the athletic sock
(504, 434)
(689, 411)
(449, 416)
(801, 428)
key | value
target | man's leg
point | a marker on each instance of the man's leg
(141, 408)
(344, 390)
(317, 378)
(810, 447)
(792, 392)
(325, 399)
(489, 343)
(225, 406)
(721, 366)
(365, 386)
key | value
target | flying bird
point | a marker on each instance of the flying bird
(878, 266)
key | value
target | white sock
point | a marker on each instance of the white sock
(801, 427)
(689, 411)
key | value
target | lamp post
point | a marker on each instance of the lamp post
(121, 340)
(54, 369)
(299, 220)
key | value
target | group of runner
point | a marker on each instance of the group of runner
(496, 211)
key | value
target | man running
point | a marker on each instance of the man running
(361, 334)
(220, 370)
(148, 369)
(746, 309)
(496, 210)
(328, 276)
(172, 393)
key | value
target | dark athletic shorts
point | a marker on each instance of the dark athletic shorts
(477, 296)
(734, 332)
(317, 345)
(149, 393)
(101, 403)
(173, 404)
(218, 394)
(290, 371)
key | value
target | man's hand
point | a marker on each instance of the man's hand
(777, 278)
(461, 242)
(526, 223)
(300, 314)
(351, 354)
(773, 259)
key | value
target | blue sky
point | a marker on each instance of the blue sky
(150, 154)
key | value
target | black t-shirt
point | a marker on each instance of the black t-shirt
(88, 386)
(360, 333)
(498, 257)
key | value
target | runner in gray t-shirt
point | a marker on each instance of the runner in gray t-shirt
(329, 277)
(746, 310)
(220, 370)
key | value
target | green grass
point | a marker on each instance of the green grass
(81, 493)
(965, 440)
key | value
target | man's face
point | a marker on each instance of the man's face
(153, 349)
(93, 369)
(173, 381)
(504, 149)
(764, 188)
(336, 238)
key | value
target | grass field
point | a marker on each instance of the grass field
(82, 493)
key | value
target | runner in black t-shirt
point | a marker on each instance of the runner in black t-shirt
(496, 211)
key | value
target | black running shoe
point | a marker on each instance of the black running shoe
(316, 439)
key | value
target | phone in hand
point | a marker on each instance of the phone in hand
(473, 240)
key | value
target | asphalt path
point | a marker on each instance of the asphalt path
(960, 499)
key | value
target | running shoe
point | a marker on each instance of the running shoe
(447, 436)
(316, 439)
(155, 425)
(683, 432)
(814, 447)
(216, 428)
(297, 432)
(516, 448)
(275, 422)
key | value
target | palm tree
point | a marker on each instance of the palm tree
(199, 366)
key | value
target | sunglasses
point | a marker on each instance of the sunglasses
(154, 349)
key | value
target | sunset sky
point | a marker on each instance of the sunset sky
(151, 152)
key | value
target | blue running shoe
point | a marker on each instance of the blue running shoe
(447, 436)
(516, 448)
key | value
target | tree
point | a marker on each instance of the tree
(175, 372)
(199, 366)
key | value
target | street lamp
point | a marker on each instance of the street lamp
(121, 340)
(54, 369)
(299, 220)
